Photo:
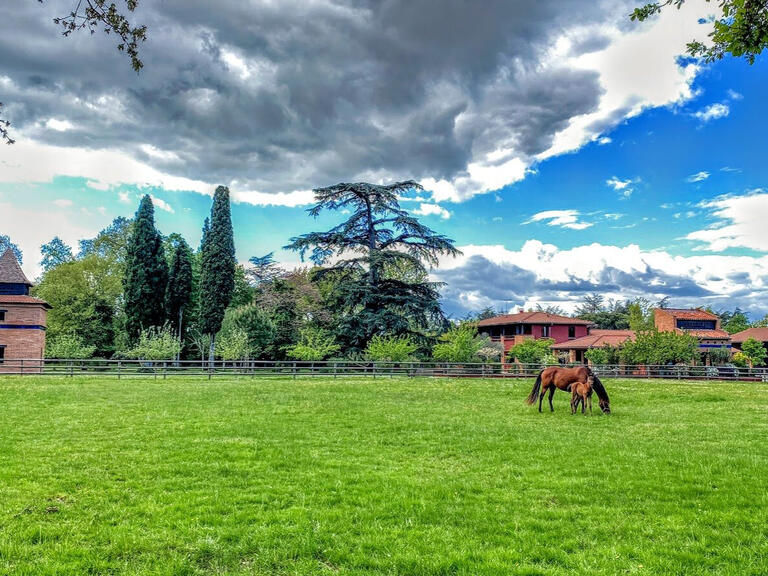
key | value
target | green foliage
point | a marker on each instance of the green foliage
(719, 355)
(54, 253)
(737, 322)
(255, 323)
(762, 323)
(217, 272)
(5, 244)
(146, 274)
(602, 356)
(490, 351)
(233, 345)
(155, 343)
(243, 292)
(315, 344)
(640, 315)
(178, 293)
(459, 344)
(754, 351)
(69, 346)
(380, 253)
(391, 348)
(533, 351)
(654, 347)
(84, 295)
(740, 359)
(740, 30)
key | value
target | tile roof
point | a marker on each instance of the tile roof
(19, 299)
(759, 334)
(597, 339)
(714, 334)
(10, 271)
(694, 314)
(531, 318)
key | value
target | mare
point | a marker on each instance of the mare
(556, 377)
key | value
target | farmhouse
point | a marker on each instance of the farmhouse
(703, 325)
(759, 334)
(595, 339)
(22, 317)
(511, 329)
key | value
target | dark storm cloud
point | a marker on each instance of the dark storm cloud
(335, 91)
(509, 283)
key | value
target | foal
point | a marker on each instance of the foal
(581, 392)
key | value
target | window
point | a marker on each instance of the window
(571, 331)
(2, 354)
(2, 315)
(545, 331)
(696, 324)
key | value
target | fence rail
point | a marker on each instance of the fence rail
(295, 369)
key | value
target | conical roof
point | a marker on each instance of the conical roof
(10, 271)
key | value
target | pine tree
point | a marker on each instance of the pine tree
(179, 290)
(146, 274)
(217, 273)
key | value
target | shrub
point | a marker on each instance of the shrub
(314, 344)
(257, 326)
(740, 359)
(68, 345)
(754, 351)
(460, 344)
(234, 345)
(531, 351)
(654, 347)
(601, 356)
(491, 351)
(390, 348)
(155, 344)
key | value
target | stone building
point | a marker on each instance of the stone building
(22, 318)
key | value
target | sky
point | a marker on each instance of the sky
(565, 149)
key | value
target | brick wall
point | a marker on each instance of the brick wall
(22, 343)
(664, 321)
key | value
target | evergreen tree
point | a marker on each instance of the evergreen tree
(54, 253)
(217, 273)
(380, 255)
(146, 274)
(6, 244)
(179, 290)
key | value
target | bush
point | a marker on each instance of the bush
(740, 359)
(460, 344)
(68, 346)
(315, 344)
(532, 351)
(602, 356)
(155, 344)
(390, 349)
(234, 345)
(657, 348)
(255, 324)
(754, 351)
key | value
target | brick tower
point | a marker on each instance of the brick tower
(22, 318)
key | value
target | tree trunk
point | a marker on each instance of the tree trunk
(178, 354)
(212, 350)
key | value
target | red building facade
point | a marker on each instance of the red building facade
(511, 329)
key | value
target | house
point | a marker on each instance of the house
(22, 317)
(703, 325)
(511, 329)
(595, 339)
(759, 334)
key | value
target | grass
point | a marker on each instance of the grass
(439, 476)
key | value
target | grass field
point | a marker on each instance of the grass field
(379, 477)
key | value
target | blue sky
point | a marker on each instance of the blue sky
(659, 194)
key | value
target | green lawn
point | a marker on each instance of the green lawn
(379, 477)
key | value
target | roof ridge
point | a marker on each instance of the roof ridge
(10, 269)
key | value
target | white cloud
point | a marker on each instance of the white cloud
(433, 210)
(58, 125)
(604, 140)
(63, 202)
(698, 177)
(563, 218)
(712, 112)
(741, 222)
(624, 187)
(124, 197)
(161, 204)
(561, 276)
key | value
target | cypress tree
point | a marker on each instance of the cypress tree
(217, 271)
(179, 291)
(146, 273)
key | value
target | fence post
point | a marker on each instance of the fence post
(165, 368)
(294, 370)
(374, 370)
(334, 370)
(119, 363)
(21, 367)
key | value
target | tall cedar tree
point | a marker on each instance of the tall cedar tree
(378, 239)
(179, 291)
(146, 273)
(217, 272)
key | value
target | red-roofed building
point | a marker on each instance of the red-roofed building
(759, 334)
(511, 329)
(595, 339)
(703, 325)
(22, 317)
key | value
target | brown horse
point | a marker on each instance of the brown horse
(556, 377)
(581, 392)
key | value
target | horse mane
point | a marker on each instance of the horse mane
(602, 394)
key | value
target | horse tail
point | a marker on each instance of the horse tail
(535, 390)
(602, 395)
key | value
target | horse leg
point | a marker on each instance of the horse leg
(589, 399)
(541, 396)
(551, 393)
